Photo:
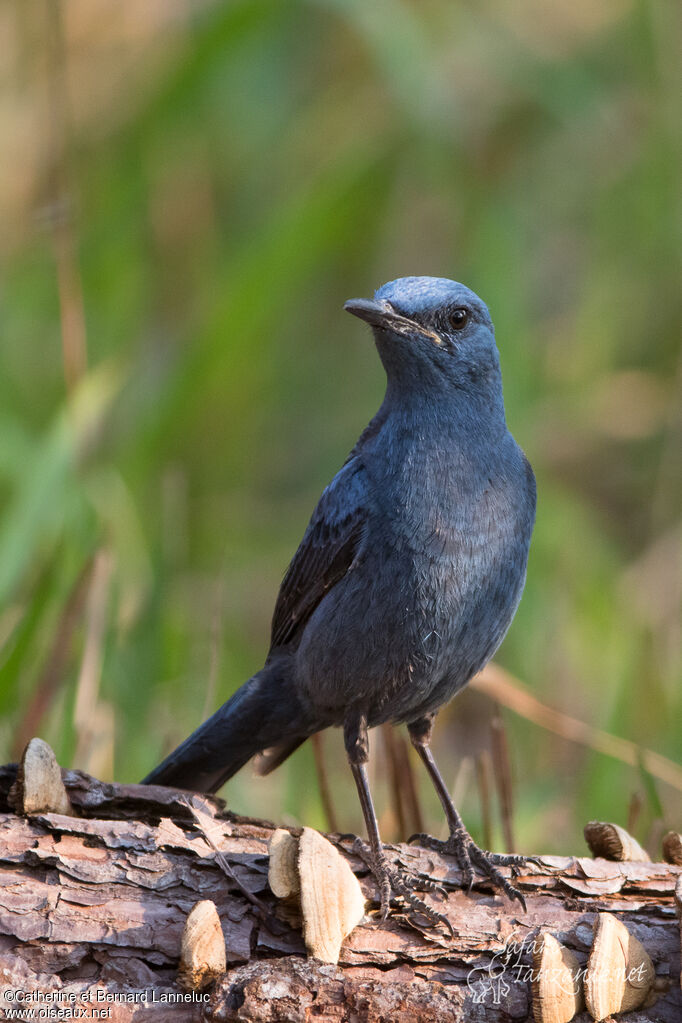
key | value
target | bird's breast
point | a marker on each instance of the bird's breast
(452, 510)
(433, 589)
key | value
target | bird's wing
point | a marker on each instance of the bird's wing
(329, 546)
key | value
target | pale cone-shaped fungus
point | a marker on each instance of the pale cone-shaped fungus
(283, 864)
(331, 899)
(557, 991)
(613, 842)
(39, 787)
(620, 974)
(202, 952)
(672, 848)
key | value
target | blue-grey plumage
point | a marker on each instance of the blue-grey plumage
(413, 562)
(446, 502)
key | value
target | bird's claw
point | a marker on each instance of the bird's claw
(470, 858)
(399, 883)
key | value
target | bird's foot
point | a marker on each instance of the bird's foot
(470, 859)
(399, 883)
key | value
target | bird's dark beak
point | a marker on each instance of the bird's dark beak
(383, 315)
(378, 314)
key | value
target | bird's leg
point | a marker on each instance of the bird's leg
(357, 749)
(460, 844)
(390, 880)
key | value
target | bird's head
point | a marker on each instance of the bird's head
(432, 332)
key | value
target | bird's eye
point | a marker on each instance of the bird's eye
(458, 318)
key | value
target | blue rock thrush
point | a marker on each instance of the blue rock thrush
(408, 574)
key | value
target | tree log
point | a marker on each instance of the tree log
(92, 910)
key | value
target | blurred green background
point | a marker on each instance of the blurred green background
(188, 193)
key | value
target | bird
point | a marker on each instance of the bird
(407, 577)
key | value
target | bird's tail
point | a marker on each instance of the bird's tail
(260, 715)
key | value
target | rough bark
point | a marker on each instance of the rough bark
(97, 903)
